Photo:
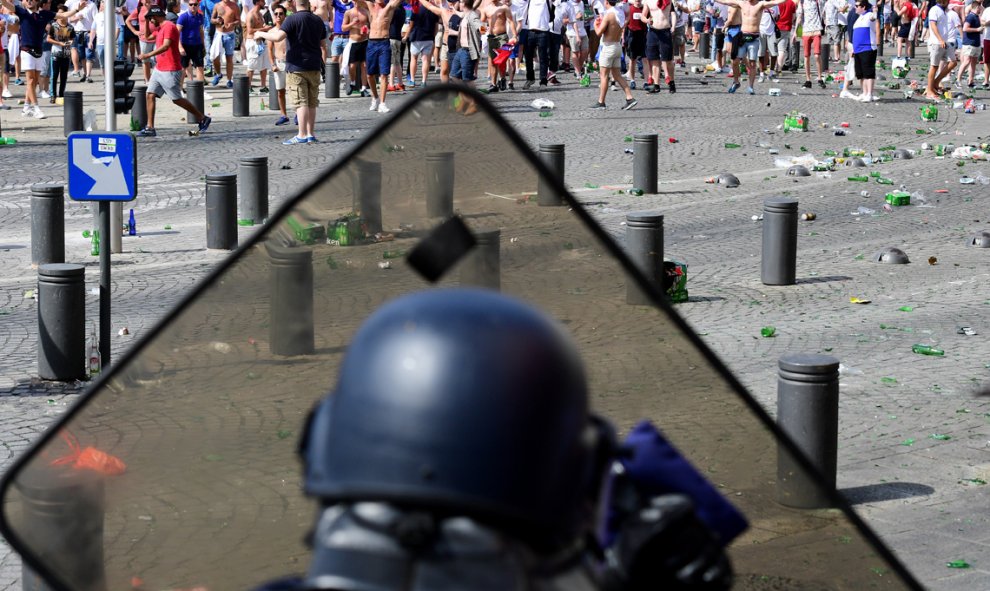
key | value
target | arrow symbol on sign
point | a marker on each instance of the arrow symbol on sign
(107, 173)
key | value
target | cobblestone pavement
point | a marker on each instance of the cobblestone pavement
(921, 495)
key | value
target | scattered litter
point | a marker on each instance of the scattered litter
(855, 300)
(29, 294)
(541, 104)
(123, 332)
(285, 167)
(906, 309)
(808, 216)
(966, 330)
(940, 437)
(927, 350)
(864, 211)
(932, 261)
(768, 331)
(94, 291)
(757, 218)
(973, 481)
(848, 370)
(888, 380)
(908, 442)
(223, 348)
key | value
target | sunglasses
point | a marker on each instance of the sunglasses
(279, 14)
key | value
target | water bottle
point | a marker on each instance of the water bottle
(131, 225)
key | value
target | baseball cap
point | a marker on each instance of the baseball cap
(155, 11)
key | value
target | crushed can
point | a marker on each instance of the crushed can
(675, 281)
(897, 198)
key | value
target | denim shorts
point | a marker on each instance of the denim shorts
(81, 43)
(462, 66)
(229, 40)
(337, 45)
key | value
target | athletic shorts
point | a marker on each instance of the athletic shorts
(986, 50)
(278, 78)
(610, 54)
(303, 88)
(637, 44)
(421, 47)
(680, 37)
(194, 56)
(812, 42)
(396, 46)
(359, 52)
(768, 45)
(970, 51)
(699, 26)
(659, 45)
(147, 47)
(937, 55)
(337, 45)
(833, 34)
(166, 83)
(904, 31)
(731, 34)
(865, 64)
(379, 57)
(29, 62)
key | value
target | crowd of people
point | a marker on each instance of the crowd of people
(388, 46)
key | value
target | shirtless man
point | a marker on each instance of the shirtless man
(256, 53)
(733, 25)
(356, 21)
(379, 57)
(226, 15)
(657, 14)
(276, 54)
(608, 27)
(321, 8)
(500, 22)
(747, 42)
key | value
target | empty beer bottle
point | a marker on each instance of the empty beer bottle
(862, 178)
(927, 350)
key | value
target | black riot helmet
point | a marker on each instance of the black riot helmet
(461, 401)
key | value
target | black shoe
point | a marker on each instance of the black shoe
(502, 84)
(82, 79)
(821, 83)
(512, 86)
(554, 81)
(492, 88)
(807, 84)
(655, 89)
(350, 89)
(598, 106)
(543, 84)
(529, 83)
(630, 103)
(648, 87)
(671, 87)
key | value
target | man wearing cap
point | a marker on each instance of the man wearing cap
(166, 77)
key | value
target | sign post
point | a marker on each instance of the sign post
(103, 168)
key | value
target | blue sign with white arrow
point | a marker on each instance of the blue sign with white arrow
(102, 166)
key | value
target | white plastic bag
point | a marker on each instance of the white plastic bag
(542, 103)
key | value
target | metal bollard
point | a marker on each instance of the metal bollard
(194, 92)
(808, 412)
(644, 245)
(482, 265)
(272, 94)
(221, 210)
(62, 322)
(705, 45)
(62, 514)
(367, 200)
(645, 162)
(332, 89)
(780, 222)
(72, 104)
(139, 112)
(242, 96)
(252, 183)
(291, 321)
(47, 224)
(553, 156)
(439, 184)
(826, 54)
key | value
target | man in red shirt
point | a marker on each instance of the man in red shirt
(787, 53)
(168, 72)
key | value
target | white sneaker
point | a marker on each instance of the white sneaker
(874, 99)
(846, 94)
(28, 110)
(7, 93)
(383, 108)
(37, 114)
(374, 105)
(763, 77)
(863, 98)
(207, 96)
(44, 94)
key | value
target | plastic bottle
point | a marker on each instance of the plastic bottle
(862, 178)
(131, 225)
(884, 181)
(927, 350)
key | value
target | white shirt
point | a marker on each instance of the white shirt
(937, 15)
(577, 9)
(86, 16)
(562, 10)
(101, 29)
(766, 21)
(954, 25)
(985, 21)
(538, 17)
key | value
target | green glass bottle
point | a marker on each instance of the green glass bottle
(927, 350)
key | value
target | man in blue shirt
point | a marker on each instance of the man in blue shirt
(192, 44)
(340, 37)
(32, 35)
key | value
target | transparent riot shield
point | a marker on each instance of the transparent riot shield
(179, 468)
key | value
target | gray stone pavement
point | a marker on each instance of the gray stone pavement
(922, 498)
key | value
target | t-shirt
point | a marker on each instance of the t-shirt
(766, 21)
(424, 25)
(562, 10)
(941, 22)
(33, 25)
(101, 30)
(63, 34)
(395, 27)
(863, 37)
(169, 60)
(141, 16)
(85, 16)
(985, 21)
(191, 25)
(812, 16)
(304, 36)
(785, 17)
(955, 23)
(972, 38)
(634, 23)
(339, 8)
(538, 17)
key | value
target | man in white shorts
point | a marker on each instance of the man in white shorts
(939, 49)
(276, 54)
(256, 52)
